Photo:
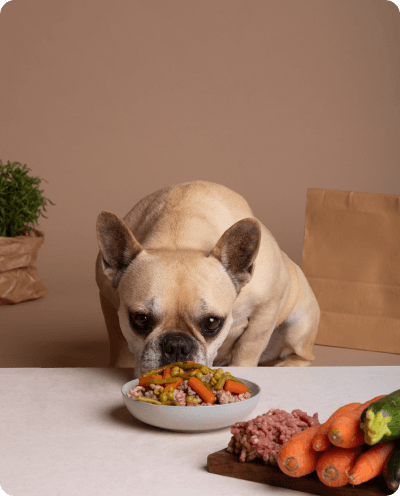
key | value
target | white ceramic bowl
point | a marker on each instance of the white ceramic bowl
(191, 419)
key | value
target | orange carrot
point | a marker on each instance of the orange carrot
(321, 440)
(345, 431)
(371, 463)
(297, 456)
(334, 465)
(143, 381)
(167, 373)
(204, 393)
(235, 387)
(172, 385)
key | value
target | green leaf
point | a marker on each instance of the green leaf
(21, 200)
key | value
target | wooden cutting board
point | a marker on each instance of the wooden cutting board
(224, 463)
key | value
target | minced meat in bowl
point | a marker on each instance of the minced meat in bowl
(228, 406)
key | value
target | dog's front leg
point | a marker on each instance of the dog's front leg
(120, 356)
(255, 338)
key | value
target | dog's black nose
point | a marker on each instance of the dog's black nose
(176, 347)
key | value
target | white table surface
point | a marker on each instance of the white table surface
(66, 431)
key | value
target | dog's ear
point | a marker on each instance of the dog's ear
(237, 249)
(117, 244)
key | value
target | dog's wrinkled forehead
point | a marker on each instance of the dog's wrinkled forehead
(160, 279)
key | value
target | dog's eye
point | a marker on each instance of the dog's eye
(141, 322)
(211, 325)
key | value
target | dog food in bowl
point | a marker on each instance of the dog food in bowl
(189, 384)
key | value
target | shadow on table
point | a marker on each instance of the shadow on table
(122, 416)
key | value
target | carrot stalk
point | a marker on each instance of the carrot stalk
(204, 393)
(297, 456)
(371, 463)
(235, 387)
(334, 465)
(345, 431)
(321, 440)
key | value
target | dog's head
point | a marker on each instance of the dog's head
(176, 305)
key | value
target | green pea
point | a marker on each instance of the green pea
(189, 399)
(178, 365)
(205, 370)
(217, 375)
(175, 371)
(163, 397)
(170, 395)
(199, 375)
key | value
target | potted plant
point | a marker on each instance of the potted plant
(20, 206)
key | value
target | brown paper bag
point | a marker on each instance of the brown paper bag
(351, 258)
(19, 279)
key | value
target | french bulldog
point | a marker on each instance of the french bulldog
(191, 274)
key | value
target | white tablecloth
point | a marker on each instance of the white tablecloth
(66, 432)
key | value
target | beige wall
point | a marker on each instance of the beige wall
(109, 101)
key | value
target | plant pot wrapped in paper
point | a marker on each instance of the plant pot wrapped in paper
(20, 203)
(19, 279)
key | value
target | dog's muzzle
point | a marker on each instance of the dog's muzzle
(176, 348)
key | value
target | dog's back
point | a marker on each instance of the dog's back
(157, 223)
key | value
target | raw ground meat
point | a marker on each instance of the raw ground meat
(263, 436)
